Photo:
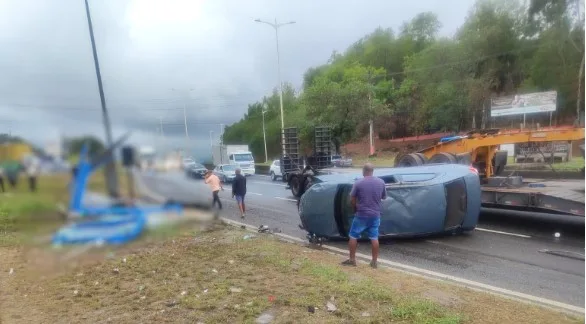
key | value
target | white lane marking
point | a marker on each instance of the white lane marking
(254, 193)
(504, 233)
(287, 199)
(267, 183)
(479, 286)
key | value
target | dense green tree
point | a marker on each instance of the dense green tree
(74, 145)
(411, 82)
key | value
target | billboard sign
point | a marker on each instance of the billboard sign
(524, 104)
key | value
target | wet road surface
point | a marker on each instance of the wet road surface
(514, 253)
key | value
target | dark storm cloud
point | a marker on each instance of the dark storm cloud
(158, 56)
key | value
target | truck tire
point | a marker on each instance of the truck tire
(295, 184)
(409, 160)
(422, 157)
(444, 157)
(307, 182)
(273, 177)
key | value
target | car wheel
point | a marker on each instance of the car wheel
(295, 184)
(224, 179)
(273, 176)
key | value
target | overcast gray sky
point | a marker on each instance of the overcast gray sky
(147, 48)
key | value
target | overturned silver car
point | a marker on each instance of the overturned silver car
(421, 201)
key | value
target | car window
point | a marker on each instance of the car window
(229, 168)
(417, 177)
(243, 157)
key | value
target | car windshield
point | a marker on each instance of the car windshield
(228, 168)
(243, 157)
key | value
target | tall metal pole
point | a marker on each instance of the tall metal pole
(221, 134)
(111, 176)
(185, 113)
(185, 120)
(264, 135)
(276, 26)
(279, 75)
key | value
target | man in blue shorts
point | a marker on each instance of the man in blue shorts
(239, 191)
(367, 194)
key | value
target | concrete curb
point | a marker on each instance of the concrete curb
(427, 274)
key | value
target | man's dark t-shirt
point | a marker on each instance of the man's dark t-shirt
(369, 191)
(239, 185)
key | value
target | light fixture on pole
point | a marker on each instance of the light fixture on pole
(276, 26)
(264, 134)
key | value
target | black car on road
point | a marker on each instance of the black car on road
(196, 171)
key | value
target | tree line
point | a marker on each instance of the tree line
(412, 81)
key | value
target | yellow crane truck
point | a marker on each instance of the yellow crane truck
(480, 150)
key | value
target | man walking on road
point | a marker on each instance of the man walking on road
(239, 191)
(214, 182)
(366, 196)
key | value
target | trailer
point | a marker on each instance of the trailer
(299, 171)
(480, 149)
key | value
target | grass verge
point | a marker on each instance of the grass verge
(220, 277)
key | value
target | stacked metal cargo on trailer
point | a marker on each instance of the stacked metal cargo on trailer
(291, 160)
(298, 171)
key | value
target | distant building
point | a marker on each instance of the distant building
(54, 149)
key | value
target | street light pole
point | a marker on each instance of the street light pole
(276, 26)
(110, 174)
(185, 120)
(264, 134)
(185, 114)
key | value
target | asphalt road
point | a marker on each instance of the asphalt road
(505, 251)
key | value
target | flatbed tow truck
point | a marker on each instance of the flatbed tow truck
(480, 149)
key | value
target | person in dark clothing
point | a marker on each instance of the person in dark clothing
(239, 191)
(2, 179)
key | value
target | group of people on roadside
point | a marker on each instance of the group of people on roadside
(10, 171)
(238, 189)
(366, 198)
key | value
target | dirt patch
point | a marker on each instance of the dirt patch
(441, 297)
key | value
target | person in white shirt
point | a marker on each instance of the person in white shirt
(32, 170)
